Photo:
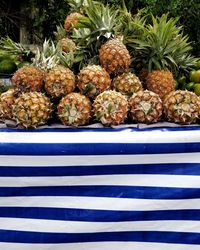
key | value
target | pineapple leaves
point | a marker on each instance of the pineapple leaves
(95, 28)
(162, 45)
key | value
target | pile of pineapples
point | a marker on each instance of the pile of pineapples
(108, 66)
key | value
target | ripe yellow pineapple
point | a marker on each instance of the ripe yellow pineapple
(93, 80)
(127, 84)
(74, 109)
(161, 82)
(59, 81)
(182, 107)
(28, 78)
(32, 109)
(110, 107)
(145, 106)
(6, 101)
(71, 20)
(114, 57)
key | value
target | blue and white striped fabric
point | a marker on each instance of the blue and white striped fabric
(100, 189)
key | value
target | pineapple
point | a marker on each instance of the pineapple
(31, 109)
(93, 80)
(97, 26)
(71, 20)
(76, 8)
(160, 82)
(28, 78)
(114, 57)
(66, 44)
(163, 49)
(145, 106)
(74, 109)
(59, 81)
(182, 107)
(6, 101)
(127, 84)
(110, 108)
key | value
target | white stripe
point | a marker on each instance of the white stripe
(123, 204)
(148, 180)
(125, 136)
(90, 160)
(54, 226)
(99, 246)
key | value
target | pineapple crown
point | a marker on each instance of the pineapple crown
(95, 28)
(60, 32)
(77, 5)
(51, 55)
(100, 21)
(7, 45)
(162, 45)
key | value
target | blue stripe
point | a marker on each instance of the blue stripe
(140, 236)
(90, 215)
(96, 148)
(106, 129)
(104, 191)
(161, 169)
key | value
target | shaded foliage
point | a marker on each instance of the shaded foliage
(44, 15)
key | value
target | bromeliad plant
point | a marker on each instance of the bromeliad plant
(162, 45)
(95, 28)
(164, 52)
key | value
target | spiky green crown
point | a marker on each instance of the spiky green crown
(8, 46)
(100, 21)
(60, 32)
(50, 55)
(162, 45)
(96, 27)
(77, 5)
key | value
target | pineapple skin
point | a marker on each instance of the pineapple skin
(145, 107)
(32, 109)
(182, 107)
(74, 109)
(67, 45)
(160, 82)
(127, 84)
(7, 99)
(110, 108)
(59, 82)
(71, 19)
(28, 78)
(93, 80)
(114, 57)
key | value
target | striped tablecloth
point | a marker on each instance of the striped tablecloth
(103, 189)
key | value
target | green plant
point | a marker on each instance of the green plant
(162, 45)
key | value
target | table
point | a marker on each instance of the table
(106, 189)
